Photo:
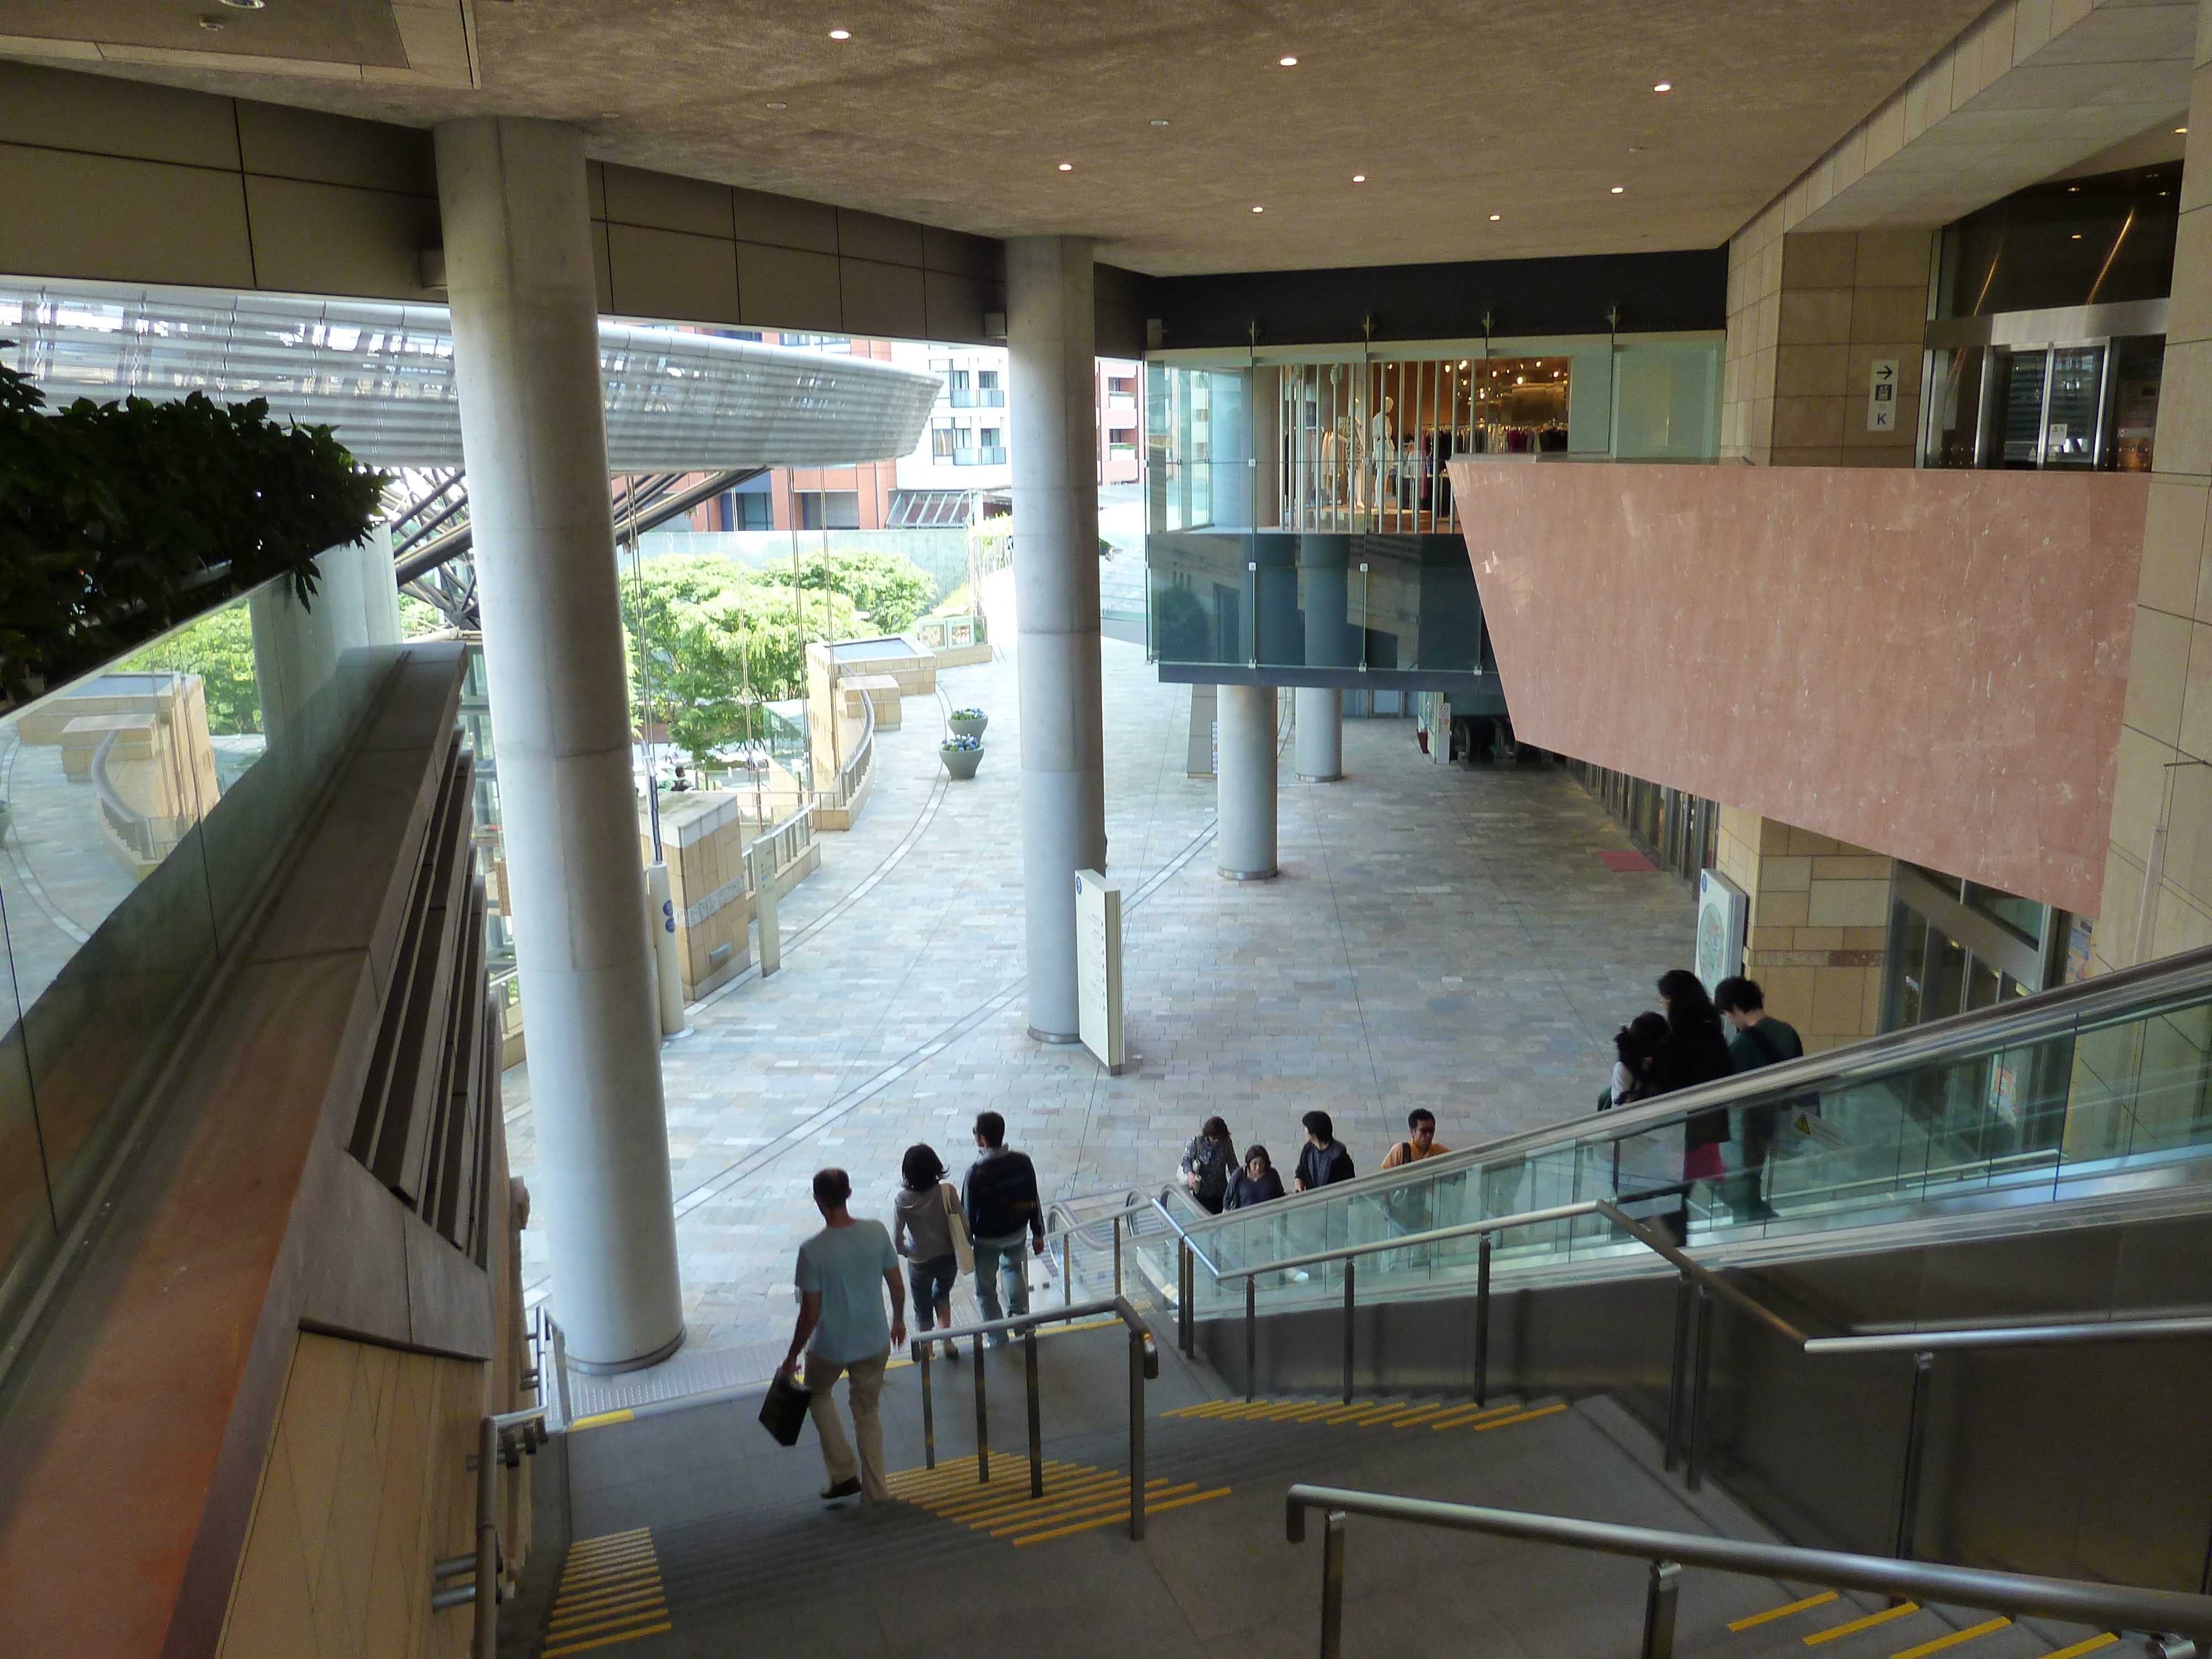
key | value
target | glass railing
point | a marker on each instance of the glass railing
(142, 810)
(2103, 1087)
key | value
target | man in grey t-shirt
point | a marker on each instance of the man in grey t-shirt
(842, 1270)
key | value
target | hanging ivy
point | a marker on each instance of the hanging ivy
(119, 520)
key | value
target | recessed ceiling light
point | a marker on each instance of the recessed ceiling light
(2181, 129)
(1664, 86)
(1159, 121)
(1359, 178)
(1259, 209)
(1495, 217)
(245, 5)
(841, 34)
(2077, 235)
(777, 103)
(611, 115)
(1617, 189)
(1067, 167)
(214, 22)
(1288, 62)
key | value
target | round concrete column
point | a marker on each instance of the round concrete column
(1051, 407)
(1319, 742)
(526, 363)
(1244, 843)
(1325, 587)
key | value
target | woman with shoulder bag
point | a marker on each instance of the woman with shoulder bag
(1207, 1163)
(932, 1234)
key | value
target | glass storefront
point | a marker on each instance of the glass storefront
(1956, 945)
(1299, 511)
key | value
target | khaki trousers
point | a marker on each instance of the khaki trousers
(864, 1390)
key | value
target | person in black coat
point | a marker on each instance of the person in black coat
(1693, 1051)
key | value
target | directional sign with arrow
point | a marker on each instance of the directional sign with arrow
(1882, 395)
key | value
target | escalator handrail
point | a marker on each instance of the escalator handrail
(1991, 1336)
(2024, 1019)
(2104, 1606)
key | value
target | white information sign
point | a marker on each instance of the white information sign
(1724, 909)
(1098, 967)
(1882, 395)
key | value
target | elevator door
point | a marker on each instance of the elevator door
(2047, 406)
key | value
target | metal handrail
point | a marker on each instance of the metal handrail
(787, 828)
(2186, 976)
(496, 1443)
(1144, 1364)
(2105, 1607)
(847, 782)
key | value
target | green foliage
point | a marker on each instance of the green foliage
(119, 520)
(889, 587)
(219, 649)
(418, 618)
(706, 628)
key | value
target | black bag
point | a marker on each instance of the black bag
(784, 1409)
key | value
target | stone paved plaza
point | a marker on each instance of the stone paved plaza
(1440, 936)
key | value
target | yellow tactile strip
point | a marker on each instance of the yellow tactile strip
(1369, 1413)
(1902, 1610)
(610, 1592)
(1077, 1498)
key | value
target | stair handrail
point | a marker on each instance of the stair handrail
(2104, 1606)
(2024, 1019)
(1144, 1364)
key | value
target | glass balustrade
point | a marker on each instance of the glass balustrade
(142, 810)
(2099, 1087)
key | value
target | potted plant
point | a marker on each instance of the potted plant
(961, 754)
(969, 722)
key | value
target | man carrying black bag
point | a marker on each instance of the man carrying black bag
(840, 1307)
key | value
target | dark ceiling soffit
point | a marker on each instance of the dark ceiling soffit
(1654, 292)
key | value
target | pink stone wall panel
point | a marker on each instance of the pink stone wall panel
(1931, 664)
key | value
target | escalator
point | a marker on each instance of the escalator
(1957, 1190)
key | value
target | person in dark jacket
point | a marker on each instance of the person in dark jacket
(1254, 1181)
(1693, 1051)
(1207, 1163)
(1000, 1200)
(1759, 1040)
(1322, 1162)
(1635, 1045)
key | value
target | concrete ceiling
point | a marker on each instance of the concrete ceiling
(957, 112)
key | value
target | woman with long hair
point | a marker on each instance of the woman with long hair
(1693, 1051)
(924, 1214)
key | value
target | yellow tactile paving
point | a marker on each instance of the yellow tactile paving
(610, 1592)
(1987, 1627)
(1525, 1417)
(1899, 1611)
(2080, 1647)
(1785, 1611)
(1077, 1498)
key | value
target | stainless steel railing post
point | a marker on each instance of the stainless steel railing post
(1350, 1278)
(1136, 1435)
(1482, 1322)
(1067, 1268)
(982, 1421)
(1332, 1586)
(486, 1601)
(1117, 1256)
(1186, 1284)
(1660, 1594)
(1684, 1288)
(1251, 1335)
(1916, 1440)
(928, 1414)
(1036, 1414)
(1700, 1382)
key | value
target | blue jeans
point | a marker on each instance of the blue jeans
(1002, 1263)
(930, 1281)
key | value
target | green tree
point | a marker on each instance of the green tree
(704, 628)
(889, 587)
(119, 520)
(219, 649)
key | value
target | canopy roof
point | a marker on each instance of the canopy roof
(382, 374)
